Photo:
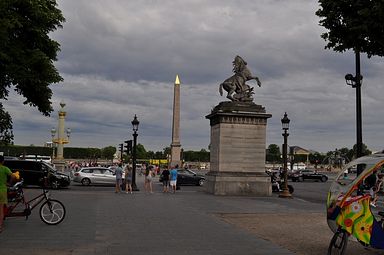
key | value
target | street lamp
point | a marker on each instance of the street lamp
(135, 126)
(53, 133)
(355, 82)
(60, 141)
(285, 125)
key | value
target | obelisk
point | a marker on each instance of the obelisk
(175, 145)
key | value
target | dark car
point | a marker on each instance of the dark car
(187, 177)
(33, 172)
(308, 175)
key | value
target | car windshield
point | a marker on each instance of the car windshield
(186, 171)
(48, 168)
(98, 171)
(349, 182)
(108, 172)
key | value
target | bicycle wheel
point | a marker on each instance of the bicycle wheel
(52, 212)
(338, 244)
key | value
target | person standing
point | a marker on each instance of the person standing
(119, 177)
(128, 179)
(173, 175)
(5, 173)
(165, 174)
(148, 179)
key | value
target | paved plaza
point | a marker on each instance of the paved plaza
(98, 221)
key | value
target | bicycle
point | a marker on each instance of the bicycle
(52, 211)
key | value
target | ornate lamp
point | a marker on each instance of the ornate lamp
(135, 126)
(285, 126)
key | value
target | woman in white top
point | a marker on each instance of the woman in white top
(148, 179)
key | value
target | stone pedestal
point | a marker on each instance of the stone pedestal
(59, 164)
(237, 150)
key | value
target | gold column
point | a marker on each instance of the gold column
(61, 137)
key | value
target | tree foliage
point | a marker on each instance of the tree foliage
(141, 153)
(196, 156)
(6, 134)
(353, 24)
(27, 53)
(108, 152)
(273, 154)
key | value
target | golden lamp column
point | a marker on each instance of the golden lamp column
(61, 137)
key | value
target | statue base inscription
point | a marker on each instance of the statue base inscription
(237, 150)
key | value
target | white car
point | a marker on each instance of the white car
(95, 175)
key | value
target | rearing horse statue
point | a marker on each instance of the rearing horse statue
(236, 83)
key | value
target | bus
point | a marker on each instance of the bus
(46, 159)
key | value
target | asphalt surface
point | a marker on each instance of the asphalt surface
(98, 221)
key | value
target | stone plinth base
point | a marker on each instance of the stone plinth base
(59, 164)
(238, 183)
(237, 150)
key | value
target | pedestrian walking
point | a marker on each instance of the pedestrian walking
(148, 179)
(128, 179)
(119, 177)
(5, 173)
(165, 174)
(173, 178)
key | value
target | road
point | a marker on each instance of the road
(312, 191)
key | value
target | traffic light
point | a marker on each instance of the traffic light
(121, 148)
(128, 146)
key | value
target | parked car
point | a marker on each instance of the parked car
(33, 172)
(308, 175)
(95, 175)
(187, 177)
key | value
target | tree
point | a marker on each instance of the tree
(316, 158)
(365, 151)
(167, 150)
(356, 25)
(273, 153)
(353, 24)
(27, 54)
(6, 134)
(108, 152)
(141, 153)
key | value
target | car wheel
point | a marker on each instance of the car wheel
(301, 179)
(201, 182)
(291, 189)
(55, 184)
(86, 181)
(324, 179)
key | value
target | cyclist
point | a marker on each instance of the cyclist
(5, 173)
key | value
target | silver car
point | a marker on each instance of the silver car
(95, 175)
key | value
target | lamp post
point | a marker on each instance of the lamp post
(53, 133)
(135, 126)
(285, 124)
(355, 82)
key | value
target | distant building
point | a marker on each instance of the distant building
(296, 150)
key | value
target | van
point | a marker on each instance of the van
(33, 173)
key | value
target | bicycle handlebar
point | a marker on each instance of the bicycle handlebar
(17, 185)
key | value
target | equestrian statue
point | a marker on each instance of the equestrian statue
(236, 83)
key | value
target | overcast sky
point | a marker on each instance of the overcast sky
(120, 58)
